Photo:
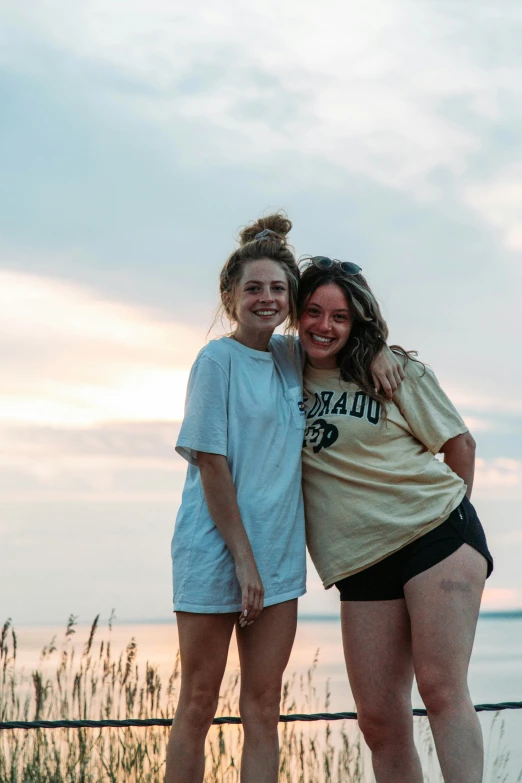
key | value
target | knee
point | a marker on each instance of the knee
(197, 707)
(260, 708)
(384, 728)
(438, 690)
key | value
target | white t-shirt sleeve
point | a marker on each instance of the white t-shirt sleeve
(205, 424)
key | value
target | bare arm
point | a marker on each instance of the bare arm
(387, 372)
(459, 455)
(220, 495)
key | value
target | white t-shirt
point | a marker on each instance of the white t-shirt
(248, 406)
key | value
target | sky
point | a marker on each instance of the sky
(136, 138)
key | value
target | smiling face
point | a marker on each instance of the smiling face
(325, 326)
(261, 301)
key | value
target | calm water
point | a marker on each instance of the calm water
(495, 672)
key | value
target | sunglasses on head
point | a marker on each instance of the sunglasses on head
(323, 262)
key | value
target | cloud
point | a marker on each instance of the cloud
(70, 356)
(498, 200)
(500, 475)
(370, 88)
(478, 402)
(116, 462)
(387, 129)
(477, 424)
(111, 462)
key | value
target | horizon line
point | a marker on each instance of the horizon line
(487, 614)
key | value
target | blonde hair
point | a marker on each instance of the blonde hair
(272, 244)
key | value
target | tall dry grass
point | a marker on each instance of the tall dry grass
(93, 682)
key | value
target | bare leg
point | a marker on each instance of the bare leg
(377, 649)
(443, 603)
(264, 650)
(204, 640)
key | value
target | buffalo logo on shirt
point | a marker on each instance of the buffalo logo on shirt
(321, 434)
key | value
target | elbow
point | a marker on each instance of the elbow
(469, 441)
(461, 443)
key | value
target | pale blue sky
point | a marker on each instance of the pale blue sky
(134, 141)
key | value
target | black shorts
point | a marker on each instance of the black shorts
(385, 580)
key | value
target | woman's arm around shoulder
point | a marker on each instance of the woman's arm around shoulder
(387, 372)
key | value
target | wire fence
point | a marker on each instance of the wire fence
(290, 718)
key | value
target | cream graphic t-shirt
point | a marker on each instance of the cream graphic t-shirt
(371, 485)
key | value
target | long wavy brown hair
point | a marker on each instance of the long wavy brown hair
(369, 333)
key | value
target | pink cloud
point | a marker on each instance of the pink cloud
(71, 357)
(501, 598)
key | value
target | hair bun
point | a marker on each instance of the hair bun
(278, 223)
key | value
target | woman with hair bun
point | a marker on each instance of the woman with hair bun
(392, 527)
(238, 548)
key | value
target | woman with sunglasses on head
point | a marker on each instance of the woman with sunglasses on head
(239, 544)
(392, 527)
